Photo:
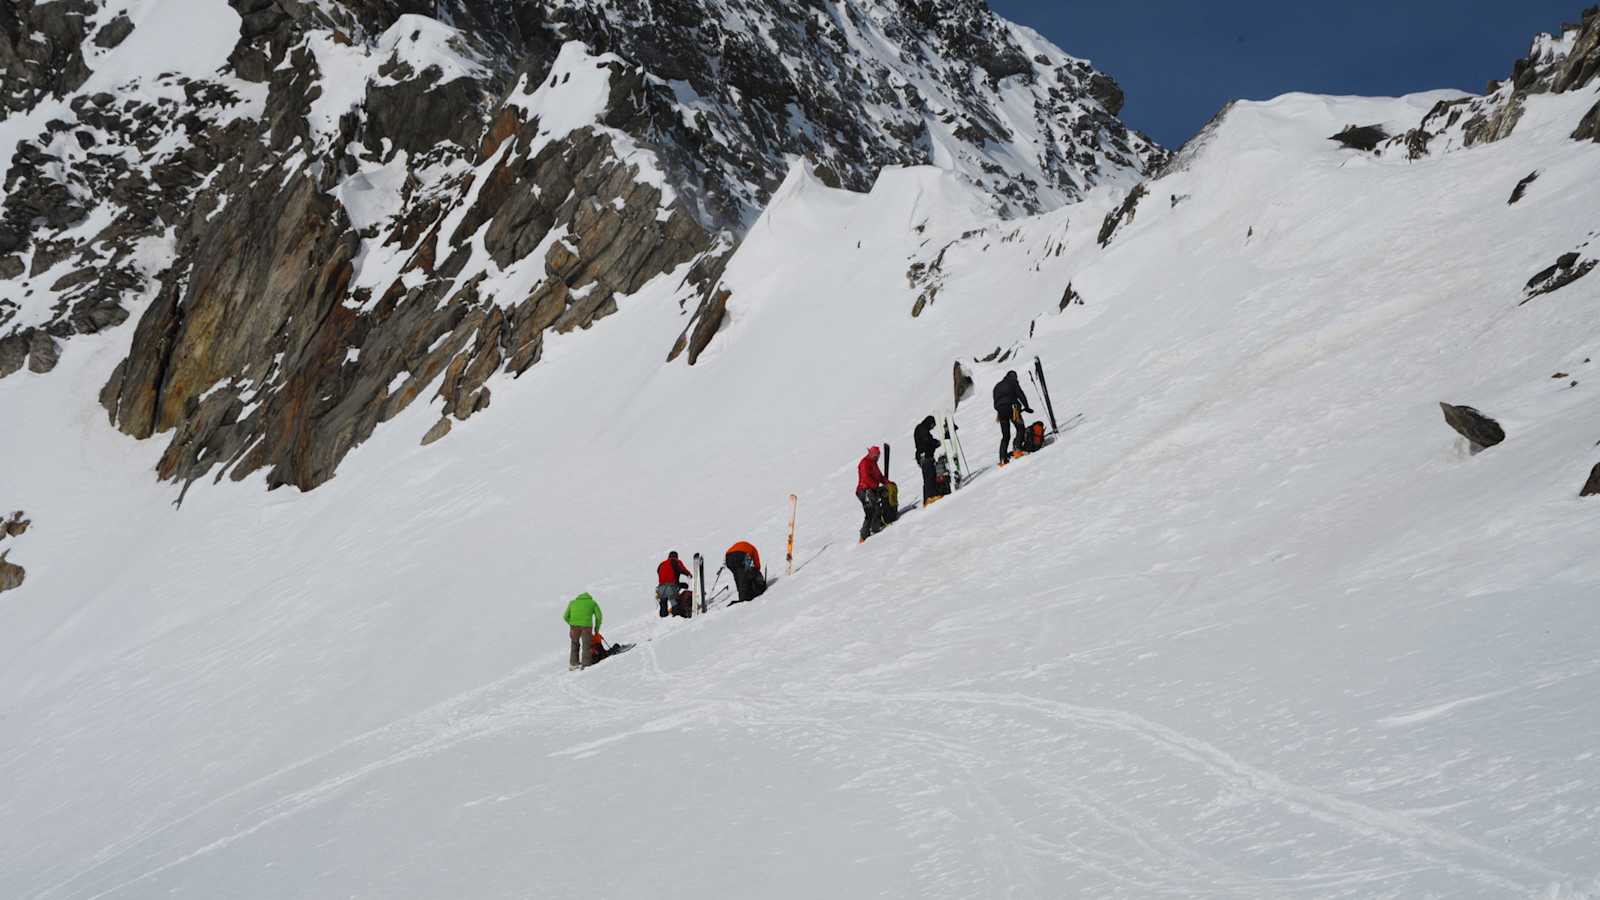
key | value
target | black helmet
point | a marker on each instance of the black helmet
(672, 554)
(1011, 375)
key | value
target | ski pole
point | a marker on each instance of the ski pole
(960, 451)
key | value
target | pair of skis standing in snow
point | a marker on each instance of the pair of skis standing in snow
(942, 460)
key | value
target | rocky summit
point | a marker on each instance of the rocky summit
(333, 207)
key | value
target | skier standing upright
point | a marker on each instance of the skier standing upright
(668, 587)
(871, 490)
(583, 620)
(1009, 405)
(927, 448)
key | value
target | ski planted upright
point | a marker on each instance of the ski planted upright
(951, 457)
(886, 462)
(1044, 388)
(700, 579)
(794, 507)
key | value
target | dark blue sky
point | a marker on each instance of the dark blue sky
(1180, 60)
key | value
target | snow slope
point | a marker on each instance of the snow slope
(1258, 627)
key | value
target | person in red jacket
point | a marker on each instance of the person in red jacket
(872, 491)
(668, 587)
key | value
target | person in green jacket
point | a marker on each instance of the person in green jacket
(583, 620)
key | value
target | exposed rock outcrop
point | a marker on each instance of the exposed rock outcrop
(1592, 486)
(1480, 430)
(1567, 268)
(1555, 64)
(1521, 189)
(1069, 297)
(1121, 216)
(962, 380)
(1589, 126)
(367, 206)
(11, 574)
(256, 361)
(41, 50)
(1365, 138)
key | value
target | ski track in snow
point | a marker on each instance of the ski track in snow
(1251, 627)
(455, 723)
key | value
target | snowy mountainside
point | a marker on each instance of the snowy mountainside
(1259, 626)
(1555, 64)
(319, 213)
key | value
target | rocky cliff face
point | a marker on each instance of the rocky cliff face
(1555, 64)
(355, 205)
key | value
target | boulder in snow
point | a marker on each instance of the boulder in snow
(1522, 187)
(1069, 297)
(43, 353)
(1592, 486)
(1365, 138)
(1569, 267)
(1482, 431)
(114, 32)
(11, 574)
(13, 353)
(963, 383)
(439, 430)
(1589, 125)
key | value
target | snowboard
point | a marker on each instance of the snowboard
(615, 649)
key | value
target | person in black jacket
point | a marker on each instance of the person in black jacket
(927, 448)
(1009, 405)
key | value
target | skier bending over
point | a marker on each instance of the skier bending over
(583, 620)
(668, 587)
(927, 449)
(872, 490)
(1009, 405)
(744, 562)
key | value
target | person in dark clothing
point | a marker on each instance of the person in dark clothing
(744, 563)
(927, 450)
(872, 491)
(668, 587)
(1009, 405)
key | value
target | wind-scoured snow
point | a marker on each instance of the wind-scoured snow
(1256, 626)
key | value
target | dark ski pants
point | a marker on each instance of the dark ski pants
(1005, 418)
(747, 579)
(873, 502)
(930, 478)
(582, 645)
